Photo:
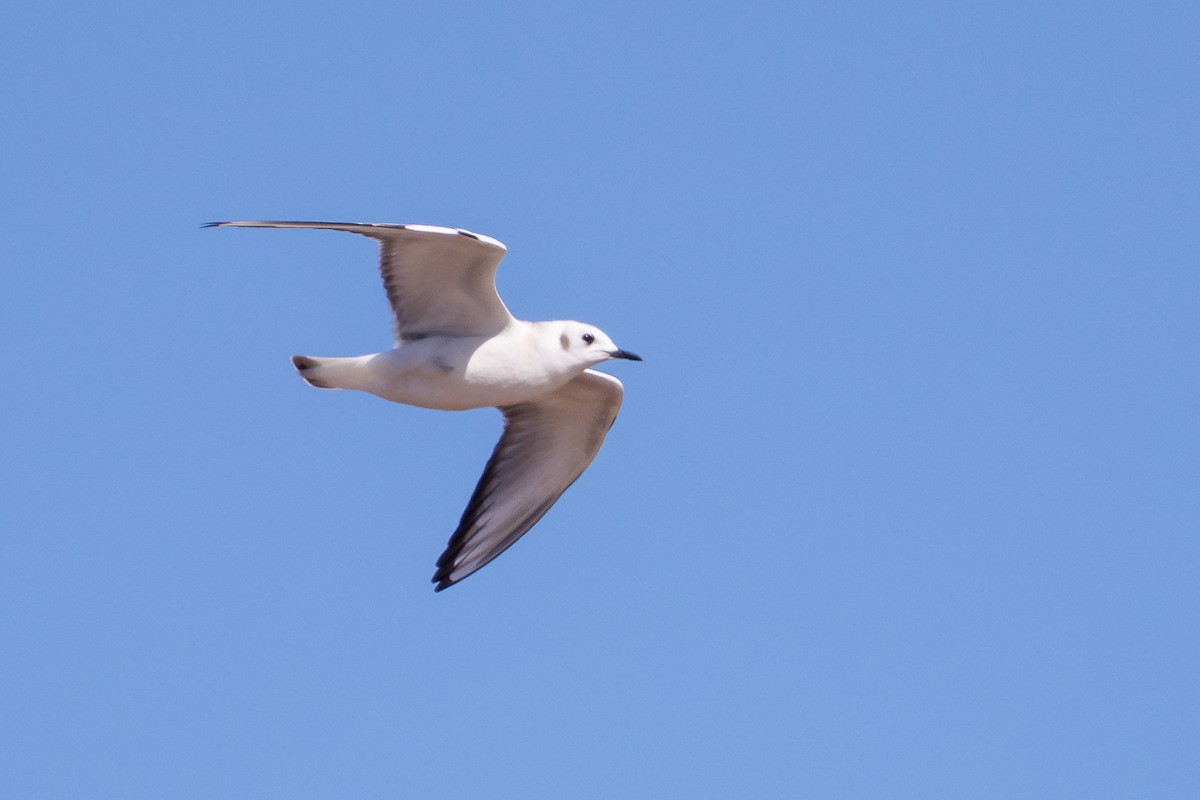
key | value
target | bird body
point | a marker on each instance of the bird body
(455, 373)
(458, 347)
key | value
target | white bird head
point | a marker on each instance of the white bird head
(588, 344)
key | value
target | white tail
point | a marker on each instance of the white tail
(332, 373)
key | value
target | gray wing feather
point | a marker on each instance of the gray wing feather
(439, 281)
(545, 447)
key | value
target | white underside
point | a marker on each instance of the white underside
(449, 373)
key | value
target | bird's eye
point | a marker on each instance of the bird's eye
(588, 338)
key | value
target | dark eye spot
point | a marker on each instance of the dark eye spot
(588, 338)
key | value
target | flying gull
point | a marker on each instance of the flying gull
(458, 347)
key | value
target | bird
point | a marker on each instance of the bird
(457, 347)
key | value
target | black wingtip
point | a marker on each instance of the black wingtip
(212, 224)
(441, 575)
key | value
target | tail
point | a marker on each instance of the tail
(325, 373)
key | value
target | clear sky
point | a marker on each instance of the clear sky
(903, 503)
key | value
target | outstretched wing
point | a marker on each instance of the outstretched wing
(546, 445)
(440, 281)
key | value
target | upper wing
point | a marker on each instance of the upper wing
(546, 445)
(440, 281)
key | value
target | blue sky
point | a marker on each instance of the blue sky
(902, 503)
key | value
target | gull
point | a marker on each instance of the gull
(457, 347)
